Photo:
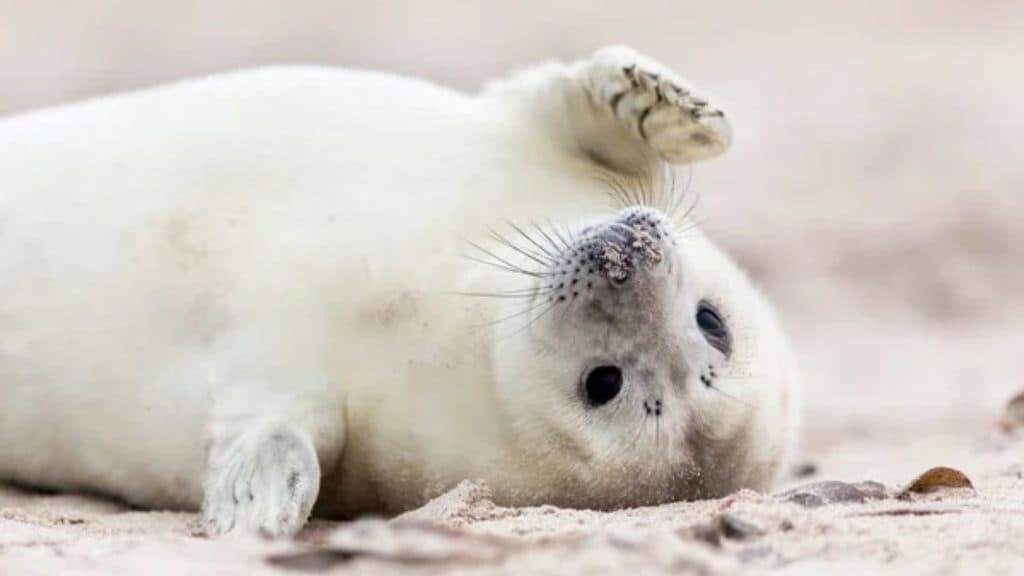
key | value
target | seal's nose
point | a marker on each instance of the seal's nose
(635, 240)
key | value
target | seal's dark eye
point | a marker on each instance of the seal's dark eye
(713, 327)
(602, 384)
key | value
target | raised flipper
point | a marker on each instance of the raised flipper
(619, 108)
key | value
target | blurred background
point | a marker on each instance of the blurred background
(876, 186)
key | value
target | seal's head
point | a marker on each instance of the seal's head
(649, 370)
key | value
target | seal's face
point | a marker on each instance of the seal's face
(655, 372)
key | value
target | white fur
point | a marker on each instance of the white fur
(215, 290)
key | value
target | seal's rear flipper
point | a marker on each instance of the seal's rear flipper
(619, 108)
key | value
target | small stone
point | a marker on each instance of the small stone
(725, 526)
(805, 469)
(1012, 419)
(834, 492)
(732, 527)
(704, 532)
(935, 479)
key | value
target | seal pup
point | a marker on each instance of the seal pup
(259, 291)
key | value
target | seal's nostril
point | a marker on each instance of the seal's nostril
(625, 246)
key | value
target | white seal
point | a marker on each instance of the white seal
(262, 290)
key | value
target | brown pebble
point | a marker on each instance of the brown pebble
(938, 478)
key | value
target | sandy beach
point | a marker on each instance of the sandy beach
(875, 190)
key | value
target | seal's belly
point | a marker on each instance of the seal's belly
(137, 233)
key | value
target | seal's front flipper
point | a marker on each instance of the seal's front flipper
(654, 105)
(621, 109)
(264, 479)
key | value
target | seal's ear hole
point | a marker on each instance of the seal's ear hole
(601, 385)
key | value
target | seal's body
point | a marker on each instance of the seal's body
(220, 292)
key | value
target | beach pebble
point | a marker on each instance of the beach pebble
(936, 479)
(834, 492)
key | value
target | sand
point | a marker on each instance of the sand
(970, 531)
(885, 402)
